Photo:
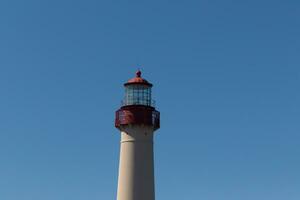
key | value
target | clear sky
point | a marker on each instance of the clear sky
(226, 78)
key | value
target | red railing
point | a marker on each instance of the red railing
(142, 115)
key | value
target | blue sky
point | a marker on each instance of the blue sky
(226, 80)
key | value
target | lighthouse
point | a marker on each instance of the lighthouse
(137, 119)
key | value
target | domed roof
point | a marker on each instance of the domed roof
(138, 80)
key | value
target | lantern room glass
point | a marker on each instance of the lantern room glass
(137, 95)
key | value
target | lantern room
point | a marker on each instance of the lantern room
(138, 92)
(137, 107)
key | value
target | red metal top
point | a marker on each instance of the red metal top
(138, 109)
(138, 80)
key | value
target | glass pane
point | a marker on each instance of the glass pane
(137, 95)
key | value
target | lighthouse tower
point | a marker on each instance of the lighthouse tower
(137, 120)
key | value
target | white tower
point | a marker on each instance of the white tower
(137, 120)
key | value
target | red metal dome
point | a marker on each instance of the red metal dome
(138, 80)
